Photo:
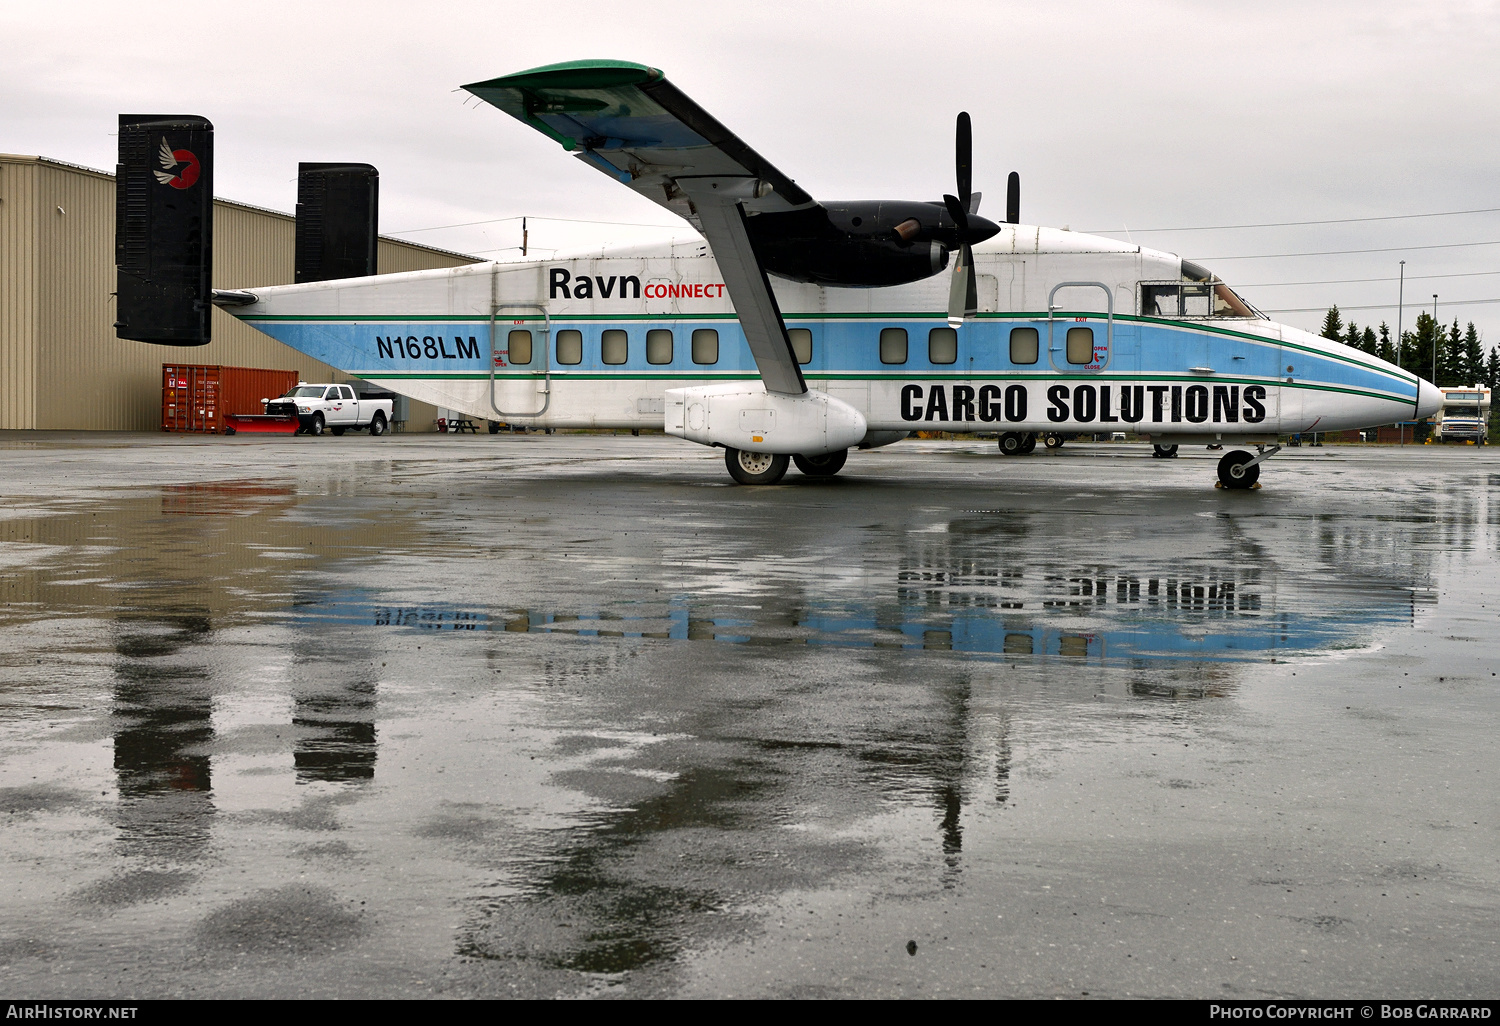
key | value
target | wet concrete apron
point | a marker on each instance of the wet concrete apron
(572, 715)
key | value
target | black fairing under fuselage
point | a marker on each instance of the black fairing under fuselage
(870, 243)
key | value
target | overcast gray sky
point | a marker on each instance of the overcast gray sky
(1140, 115)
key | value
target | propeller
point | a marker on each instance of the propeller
(963, 287)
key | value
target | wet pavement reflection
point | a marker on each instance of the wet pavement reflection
(567, 716)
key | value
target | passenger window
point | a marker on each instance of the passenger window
(569, 346)
(892, 345)
(1080, 345)
(614, 346)
(519, 344)
(705, 345)
(332, 393)
(1025, 344)
(801, 343)
(942, 345)
(348, 392)
(658, 346)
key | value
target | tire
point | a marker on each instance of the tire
(1234, 474)
(1012, 443)
(494, 427)
(1164, 452)
(826, 465)
(755, 468)
(377, 425)
(338, 432)
(1052, 440)
(316, 427)
(1028, 446)
(229, 431)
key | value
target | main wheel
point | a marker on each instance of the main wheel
(338, 432)
(755, 468)
(1234, 474)
(316, 427)
(1164, 452)
(377, 424)
(1052, 440)
(1028, 444)
(1012, 443)
(826, 465)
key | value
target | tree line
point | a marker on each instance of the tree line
(1462, 356)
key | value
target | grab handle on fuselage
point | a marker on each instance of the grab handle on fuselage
(1109, 334)
(495, 309)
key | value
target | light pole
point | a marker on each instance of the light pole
(1434, 338)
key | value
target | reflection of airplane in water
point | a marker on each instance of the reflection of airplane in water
(1097, 615)
(858, 341)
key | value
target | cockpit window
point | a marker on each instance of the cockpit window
(1198, 293)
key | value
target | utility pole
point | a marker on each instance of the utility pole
(1400, 309)
(523, 240)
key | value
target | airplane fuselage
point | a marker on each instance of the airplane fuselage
(1074, 333)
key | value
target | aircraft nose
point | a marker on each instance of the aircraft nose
(1429, 399)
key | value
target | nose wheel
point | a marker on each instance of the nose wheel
(1240, 469)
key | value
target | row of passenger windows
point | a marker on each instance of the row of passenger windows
(942, 346)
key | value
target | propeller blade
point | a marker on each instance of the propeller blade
(963, 290)
(1013, 198)
(964, 157)
(960, 216)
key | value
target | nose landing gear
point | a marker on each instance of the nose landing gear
(1239, 469)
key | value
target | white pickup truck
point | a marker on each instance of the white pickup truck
(334, 408)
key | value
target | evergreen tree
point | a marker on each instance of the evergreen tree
(1387, 351)
(1351, 335)
(1492, 369)
(1368, 342)
(1473, 363)
(1417, 352)
(1333, 324)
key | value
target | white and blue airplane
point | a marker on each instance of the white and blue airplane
(795, 330)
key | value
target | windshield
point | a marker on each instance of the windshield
(305, 392)
(1198, 293)
(1460, 411)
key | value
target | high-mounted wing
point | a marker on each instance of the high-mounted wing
(628, 121)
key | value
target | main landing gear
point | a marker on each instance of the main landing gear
(764, 468)
(1239, 469)
(1017, 443)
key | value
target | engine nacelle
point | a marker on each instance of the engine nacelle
(743, 415)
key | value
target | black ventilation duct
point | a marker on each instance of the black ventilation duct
(164, 228)
(338, 208)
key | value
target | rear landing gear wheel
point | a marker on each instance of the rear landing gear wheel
(1028, 443)
(755, 468)
(1013, 443)
(825, 465)
(1164, 452)
(1234, 474)
(1052, 440)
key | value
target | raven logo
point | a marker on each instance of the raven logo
(170, 159)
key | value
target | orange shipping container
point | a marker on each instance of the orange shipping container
(198, 398)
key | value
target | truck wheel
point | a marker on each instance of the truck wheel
(338, 432)
(377, 426)
(755, 468)
(825, 465)
(316, 427)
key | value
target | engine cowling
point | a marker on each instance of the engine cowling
(865, 244)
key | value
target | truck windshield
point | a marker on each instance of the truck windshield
(305, 392)
(1460, 411)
